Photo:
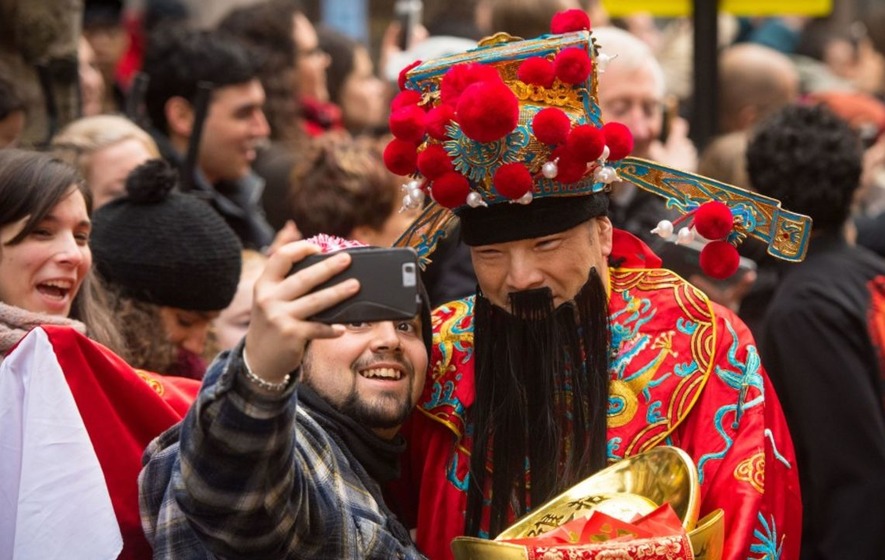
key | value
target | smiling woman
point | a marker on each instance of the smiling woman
(45, 260)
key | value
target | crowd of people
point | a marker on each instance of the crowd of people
(163, 168)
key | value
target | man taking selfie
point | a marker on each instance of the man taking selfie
(283, 453)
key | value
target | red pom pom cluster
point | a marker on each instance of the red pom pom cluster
(719, 259)
(572, 65)
(400, 157)
(461, 76)
(487, 111)
(619, 140)
(434, 162)
(551, 126)
(512, 180)
(537, 71)
(713, 220)
(437, 120)
(404, 99)
(586, 142)
(567, 21)
(450, 190)
(408, 124)
(570, 167)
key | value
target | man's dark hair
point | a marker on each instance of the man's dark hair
(810, 160)
(178, 59)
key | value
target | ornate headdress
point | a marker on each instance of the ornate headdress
(508, 136)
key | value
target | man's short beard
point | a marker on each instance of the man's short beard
(541, 377)
(374, 415)
(371, 414)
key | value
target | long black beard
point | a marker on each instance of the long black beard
(541, 400)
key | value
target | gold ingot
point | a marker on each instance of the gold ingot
(634, 486)
(708, 538)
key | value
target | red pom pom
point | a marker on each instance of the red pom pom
(512, 180)
(537, 71)
(719, 259)
(713, 220)
(405, 98)
(434, 162)
(438, 119)
(572, 65)
(450, 190)
(570, 167)
(619, 140)
(567, 21)
(462, 76)
(408, 123)
(487, 111)
(551, 125)
(400, 157)
(586, 142)
(401, 79)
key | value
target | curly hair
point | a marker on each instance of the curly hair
(143, 331)
(810, 160)
(340, 186)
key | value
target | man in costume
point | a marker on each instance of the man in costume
(577, 349)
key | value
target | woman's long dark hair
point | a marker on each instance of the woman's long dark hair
(539, 417)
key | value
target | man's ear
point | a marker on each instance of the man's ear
(179, 117)
(604, 229)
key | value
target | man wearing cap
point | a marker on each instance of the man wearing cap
(578, 349)
(283, 453)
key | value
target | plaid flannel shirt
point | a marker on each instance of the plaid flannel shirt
(246, 475)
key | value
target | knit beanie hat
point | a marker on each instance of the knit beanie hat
(163, 247)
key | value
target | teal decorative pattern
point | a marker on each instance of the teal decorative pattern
(786, 233)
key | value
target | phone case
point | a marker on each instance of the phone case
(388, 285)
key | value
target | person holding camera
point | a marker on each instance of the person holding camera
(284, 452)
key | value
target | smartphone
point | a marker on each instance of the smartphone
(684, 260)
(388, 285)
(408, 13)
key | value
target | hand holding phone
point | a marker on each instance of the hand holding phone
(388, 285)
(408, 14)
(282, 306)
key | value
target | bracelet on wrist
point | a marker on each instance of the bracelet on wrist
(263, 383)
